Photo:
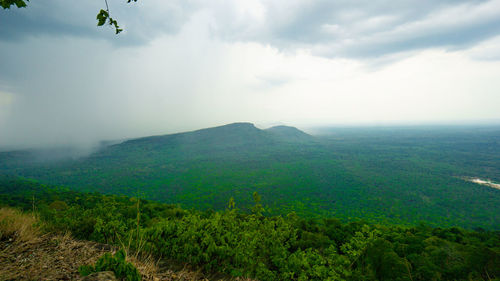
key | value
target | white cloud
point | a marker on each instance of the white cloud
(488, 50)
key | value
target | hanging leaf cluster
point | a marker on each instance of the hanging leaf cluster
(103, 17)
(19, 3)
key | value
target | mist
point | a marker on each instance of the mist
(67, 83)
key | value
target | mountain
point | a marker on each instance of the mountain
(402, 176)
(291, 134)
(236, 141)
(176, 167)
(228, 136)
(235, 134)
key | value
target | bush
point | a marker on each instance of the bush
(116, 263)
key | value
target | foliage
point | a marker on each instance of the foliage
(401, 176)
(103, 17)
(265, 247)
(6, 4)
(116, 263)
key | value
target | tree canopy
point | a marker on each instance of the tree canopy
(250, 244)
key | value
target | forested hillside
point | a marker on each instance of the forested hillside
(401, 175)
(249, 244)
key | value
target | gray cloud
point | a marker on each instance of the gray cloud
(53, 17)
(143, 21)
(366, 29)
(343, 28)
(188, 64)
(451, 28)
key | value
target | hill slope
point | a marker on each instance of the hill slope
(402, 176)
(290, 134)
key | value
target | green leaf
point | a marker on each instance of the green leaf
(101, 17)
(7, 3)
(20, 4)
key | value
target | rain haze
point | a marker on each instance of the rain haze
(182, 65)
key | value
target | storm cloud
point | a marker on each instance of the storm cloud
(328, 28)
(187, 64)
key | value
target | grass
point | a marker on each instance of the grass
(17, 225)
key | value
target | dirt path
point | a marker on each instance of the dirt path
(46, 258)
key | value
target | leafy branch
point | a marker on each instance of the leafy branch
(103, 16)
(7, 3)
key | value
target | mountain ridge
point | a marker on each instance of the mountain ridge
(289, 132)
(231, 129)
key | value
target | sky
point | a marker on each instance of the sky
(187, 64)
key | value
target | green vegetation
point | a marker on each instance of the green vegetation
(384, 175)
(6, 4)
(264, 247)
(116, 263)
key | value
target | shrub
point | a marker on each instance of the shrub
(116, 263)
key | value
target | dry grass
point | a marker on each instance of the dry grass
(47, 257)
(17, 225)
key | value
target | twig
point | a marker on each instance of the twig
(107, 7)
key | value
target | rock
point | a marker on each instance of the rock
(101, 276)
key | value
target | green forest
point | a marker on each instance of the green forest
(400, 175)
(265, 247)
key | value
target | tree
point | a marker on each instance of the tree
(103, 17)
(257, 208)
(231, 203)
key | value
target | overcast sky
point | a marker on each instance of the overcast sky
(188, 64)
